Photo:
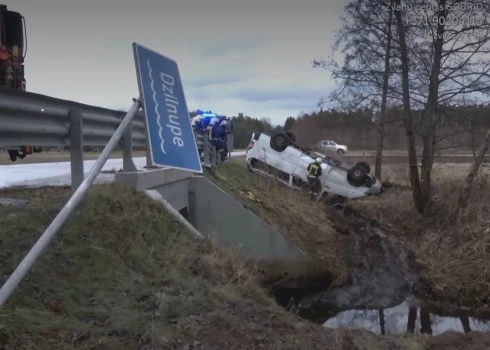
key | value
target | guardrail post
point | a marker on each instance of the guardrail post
(213, 157)
(230, 128)
(149, 163)
(218, 158)
(199, 143)
(229, 142)
(76, 148)
(207, 157)
(128, 164)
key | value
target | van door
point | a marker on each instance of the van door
(278, 160)
(325, 178)
(266, 154)
(300, 170)
(293, 160)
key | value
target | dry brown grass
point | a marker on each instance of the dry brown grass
(303, 221)
(123, 274)
(454, 245)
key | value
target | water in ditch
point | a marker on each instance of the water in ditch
(378, 296)
(410, 316)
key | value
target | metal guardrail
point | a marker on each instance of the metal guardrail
(205, 149)
(31, 257)
(37, 120)
(29, 119)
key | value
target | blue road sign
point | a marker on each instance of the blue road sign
(170, 136)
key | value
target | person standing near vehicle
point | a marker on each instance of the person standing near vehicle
(211, 130)
(222, 129)
(196, 122)
(314, 172)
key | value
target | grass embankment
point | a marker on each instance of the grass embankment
(122, 274)
(453, 244)
(303, 221)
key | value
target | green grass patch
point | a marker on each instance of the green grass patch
(117, 274)
(123, 274)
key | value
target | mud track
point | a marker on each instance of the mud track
(381, 275)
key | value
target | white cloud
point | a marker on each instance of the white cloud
(233, 57)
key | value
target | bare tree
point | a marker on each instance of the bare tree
(475, 167)
(435, 61)
(407, 112)
(447, 44)
(365, 39)
(384, 96)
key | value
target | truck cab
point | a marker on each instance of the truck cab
(13, 47)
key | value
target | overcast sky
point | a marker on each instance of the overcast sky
(250, 56)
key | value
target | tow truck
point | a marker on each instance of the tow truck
(13, 47)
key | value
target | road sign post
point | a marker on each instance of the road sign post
(170, 136)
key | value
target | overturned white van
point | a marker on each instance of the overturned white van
(280, 157)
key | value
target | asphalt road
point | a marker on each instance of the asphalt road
(399, 159)
(389, 157)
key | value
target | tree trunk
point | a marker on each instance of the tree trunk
(407, 113)
(364, 144)
(470, 179)
(381, 314)
(465, 322)
(430, 116)
(382, 117)
(425, 322)
(412, 318)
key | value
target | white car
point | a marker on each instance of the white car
(279, 157)
(333, 146)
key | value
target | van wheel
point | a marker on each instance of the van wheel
(279, 142)
(357, 175)
(365, 165)
(291, 136)
(12, 155)
(340, 151)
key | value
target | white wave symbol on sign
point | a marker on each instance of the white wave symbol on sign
(156, 107)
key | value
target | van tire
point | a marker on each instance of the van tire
(340, 151)
(279, 142)
(292, 137)
(357, 175)
(365, 165)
